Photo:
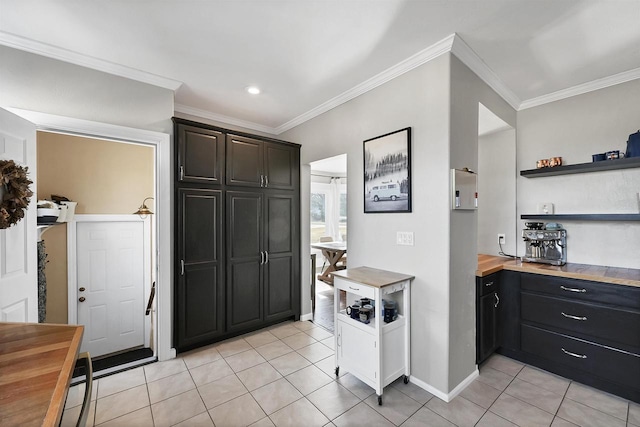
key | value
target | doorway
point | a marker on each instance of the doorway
(328, 223)
(109, 180)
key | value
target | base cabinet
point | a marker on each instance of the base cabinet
(488, 333)
(376, 352)
(586, 331)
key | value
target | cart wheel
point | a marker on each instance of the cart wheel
(337, 371)
(406, 379)
(379, 400)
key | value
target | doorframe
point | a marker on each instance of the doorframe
(164, 202)
(72, 267)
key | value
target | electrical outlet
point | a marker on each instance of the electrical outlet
(404, 238)
(545, 208)
(501, 238)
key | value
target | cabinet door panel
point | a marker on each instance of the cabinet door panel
(489, 333)
(279, 287)
(357, 351)
(509, 313)
(244, 161)
(280, 229)
(244, 295)
(200, 155)
(244, 243)
(199, 289)
(281, 166)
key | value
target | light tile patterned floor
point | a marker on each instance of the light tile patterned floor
(284, 376)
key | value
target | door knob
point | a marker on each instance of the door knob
(81, 299)
(81, 289)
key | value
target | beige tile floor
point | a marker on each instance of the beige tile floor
(284, 376)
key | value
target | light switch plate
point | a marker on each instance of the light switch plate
(545, 208)
(404, 238)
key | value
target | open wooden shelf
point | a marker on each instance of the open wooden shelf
(604, 165)
(583, 217)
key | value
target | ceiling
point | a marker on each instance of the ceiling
(308, 56)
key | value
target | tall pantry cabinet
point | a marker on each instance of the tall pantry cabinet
(237, 233)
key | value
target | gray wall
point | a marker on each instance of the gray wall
(37, 83)
(575, 128)
(497, 192)
(467, 91)
(420, 99)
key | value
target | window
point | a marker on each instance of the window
(320, 196)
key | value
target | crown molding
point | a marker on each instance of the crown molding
(180, 108)
(414, 61)
(471, 59)
(591, 86)
(43, 49)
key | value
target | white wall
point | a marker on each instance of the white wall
(497, 192)
(33, 82)
(467, 91)
(575, 128)
(419, 99)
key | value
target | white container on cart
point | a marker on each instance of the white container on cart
(377, 353)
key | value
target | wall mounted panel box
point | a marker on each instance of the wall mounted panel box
(372, 350)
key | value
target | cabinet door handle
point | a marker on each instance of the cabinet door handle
(261, 180)
(569, 316)
(573, 289)
(497, 300)
(489, 284)
(181, 172)
(261, 257)
(266, 181)
(579, 356)
(266, 257)
(182, 267)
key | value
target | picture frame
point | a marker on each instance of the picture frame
(387, 172)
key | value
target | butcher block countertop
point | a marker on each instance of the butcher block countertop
(372, 276)
(36, 363)
(488, 264)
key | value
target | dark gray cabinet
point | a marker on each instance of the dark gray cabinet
(200, 155)
(199, 290)
(488, 333)
(245, 259)
(237, 248)
(254, 162)
(583, 330)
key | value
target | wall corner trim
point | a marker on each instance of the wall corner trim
(471, 59)
(587, 87)
(446, 397)
(54, 52)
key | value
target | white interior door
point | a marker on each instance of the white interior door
(18, 244)
(111, 273)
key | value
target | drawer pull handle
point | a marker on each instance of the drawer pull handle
(579, 356)
(569, 316)
(354, 289)
(573, 289)
(489, 284)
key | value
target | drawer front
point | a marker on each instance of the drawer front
(582, 290)
(616, 366)
(618, 325)
(487, 285)
(353, 287)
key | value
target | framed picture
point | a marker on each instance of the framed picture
(387, 172)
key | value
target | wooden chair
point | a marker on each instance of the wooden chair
(342, 262)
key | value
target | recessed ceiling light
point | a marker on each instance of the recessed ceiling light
(253, 90)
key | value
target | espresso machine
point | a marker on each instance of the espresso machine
(545, 243)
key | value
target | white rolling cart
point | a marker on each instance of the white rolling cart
(377, 353)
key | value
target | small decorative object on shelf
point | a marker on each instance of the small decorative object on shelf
(14, 191)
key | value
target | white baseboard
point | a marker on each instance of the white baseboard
(305, 317)
(447, 397)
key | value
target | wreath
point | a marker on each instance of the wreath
(15, 192)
